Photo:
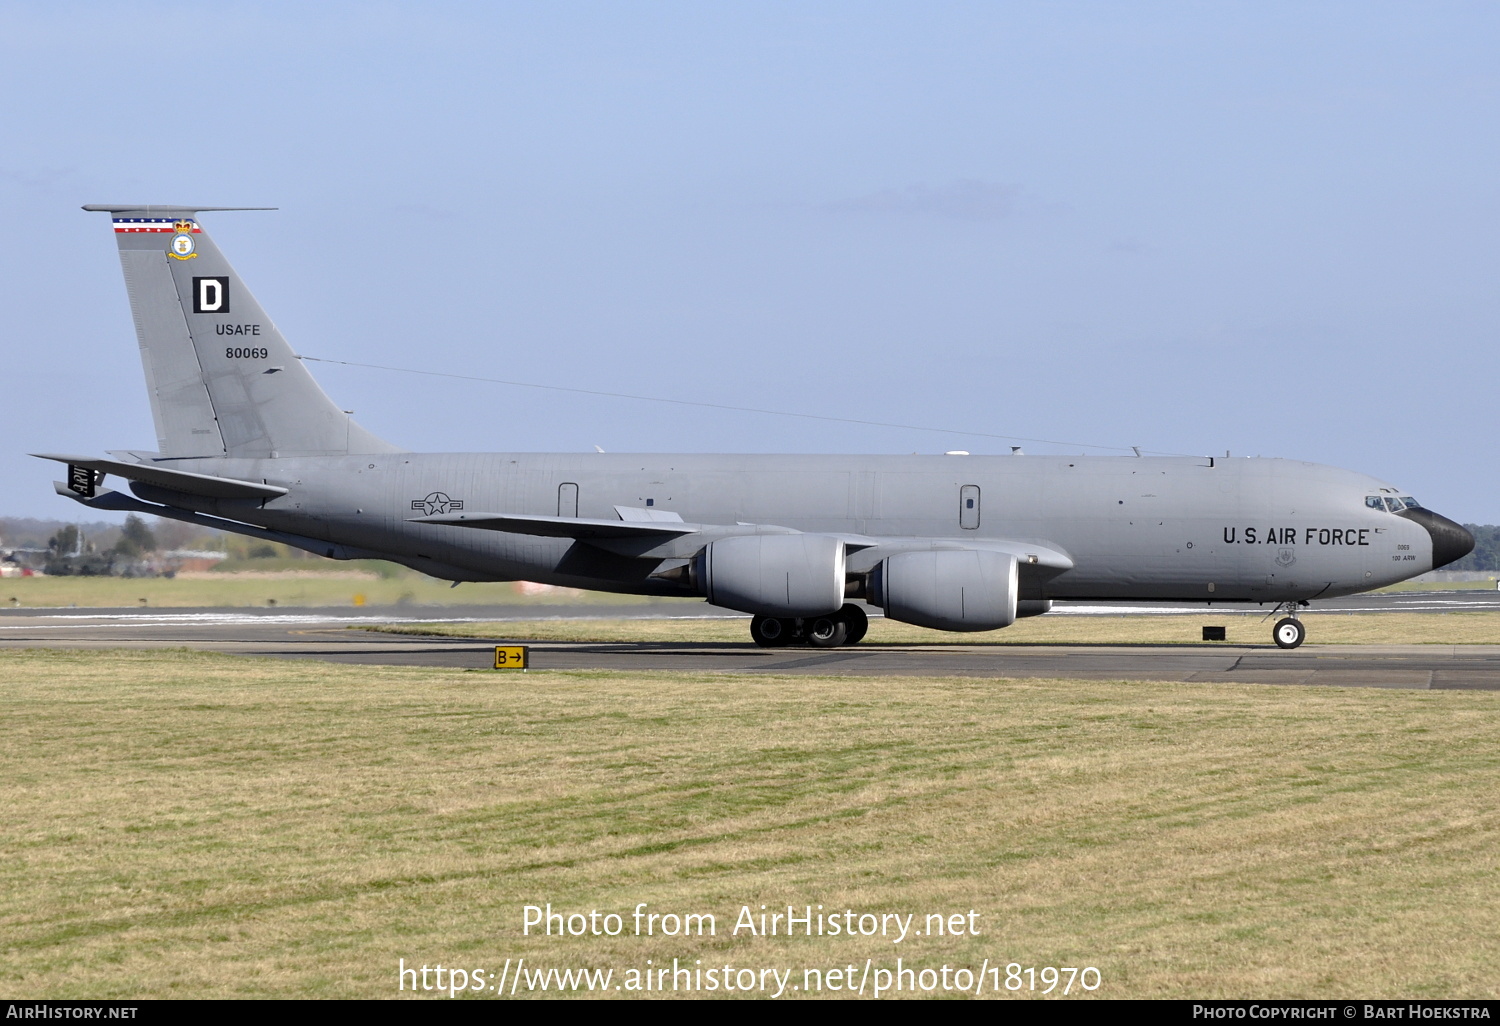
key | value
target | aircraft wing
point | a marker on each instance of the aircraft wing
(582, 528)
(637, 536)
(638, 533)
(205, 485)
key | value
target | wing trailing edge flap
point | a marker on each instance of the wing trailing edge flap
(1033, 557)
(206, 485)
(648, 515)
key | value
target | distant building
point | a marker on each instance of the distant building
(31, 560)
(176, 561)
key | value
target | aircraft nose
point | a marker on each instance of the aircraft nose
(1450, 542)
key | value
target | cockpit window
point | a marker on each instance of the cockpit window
(1391, 502)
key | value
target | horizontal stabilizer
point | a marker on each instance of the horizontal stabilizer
(147, 210)
(122, 503)
(560, 527)
(205, 485)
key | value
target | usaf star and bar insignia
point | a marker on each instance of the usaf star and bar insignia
(437, 502)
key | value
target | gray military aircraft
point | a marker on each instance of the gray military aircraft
(248, 442)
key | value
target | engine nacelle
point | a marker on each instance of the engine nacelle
(951, 590)
(785, 575)
(1033, 607)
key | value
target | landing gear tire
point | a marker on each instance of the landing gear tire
(858, 623)
(827, 631)
(769, 632)
(1289, 633)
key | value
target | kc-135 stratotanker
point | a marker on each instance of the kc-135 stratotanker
(248, 442)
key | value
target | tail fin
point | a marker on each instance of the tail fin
(223, 381)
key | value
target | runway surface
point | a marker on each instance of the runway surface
(325, 634)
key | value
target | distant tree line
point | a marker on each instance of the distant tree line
(70, 554)
(1486, 554)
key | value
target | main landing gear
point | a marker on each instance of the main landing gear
(846, 627)
(1288, 632)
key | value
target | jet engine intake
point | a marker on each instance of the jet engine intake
(950, 590)
(781, 575)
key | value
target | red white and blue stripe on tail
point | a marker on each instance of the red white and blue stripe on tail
(151, 224)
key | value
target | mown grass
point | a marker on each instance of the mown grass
(188, 825)
(1241, 628)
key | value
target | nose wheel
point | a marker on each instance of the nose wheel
(1289, 633)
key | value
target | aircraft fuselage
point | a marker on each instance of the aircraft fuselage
(1212, 530)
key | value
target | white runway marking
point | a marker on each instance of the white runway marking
(230, 619)
(93, 620)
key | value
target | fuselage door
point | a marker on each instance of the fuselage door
(968, 507)
(567, 499)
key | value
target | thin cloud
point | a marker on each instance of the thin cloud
(967, 199)
(42, 179)
(425, 210)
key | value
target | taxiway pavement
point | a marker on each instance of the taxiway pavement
(325, 634)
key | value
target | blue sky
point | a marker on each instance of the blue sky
(1264, 228)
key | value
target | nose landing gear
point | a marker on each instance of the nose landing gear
(845, 627)
(1288, 632)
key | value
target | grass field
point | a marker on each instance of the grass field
(187, 825)
(1480, 628)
